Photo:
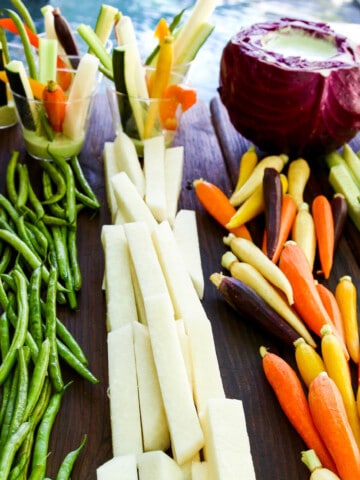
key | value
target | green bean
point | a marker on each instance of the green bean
(33, 199)
(10, 448)
(38, 239)
(10, 176)
(5, 258)
(4, 347)
(22, 390)
(74, 258)
(23, 192)
(82, 181)
(21, 326)
(70, 188)
(50, 331)
(38, 378)
(10, 406)
(41, 445)
(35, 320)
(55, 208)
(67, 464)
(86, 201)
(57, 221)
(25, 14)
(54, 175)
(66, 354)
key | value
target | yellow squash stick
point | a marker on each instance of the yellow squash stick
(159, 80)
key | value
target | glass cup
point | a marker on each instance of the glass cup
(141, 118)
(41, 137)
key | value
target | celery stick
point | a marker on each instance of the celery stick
(105, 22)
(47, 59)
(25, 14)
(353, 162)
(193, 44)
(96, 45)
(342, 182)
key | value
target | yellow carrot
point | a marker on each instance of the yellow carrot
(338, 369)
(318, 472)
(298, 176)
(346, 296)
(249, 275)
(303, 232)
(248, 162)
(308, 361)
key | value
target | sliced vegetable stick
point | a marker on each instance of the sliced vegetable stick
(126, 464)
(154, 171)
(248, 252)
(290, 394)
(308, 361)
(346, 296)
(254, 279)
(337, 368)
(174, 168)
(158, 464)
(110, 169)
(328, 411)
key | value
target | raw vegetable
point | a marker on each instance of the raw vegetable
(249, 275)
(54, 100)
(329, 415)
(303, 233)
(252, 308)
(330, 303)
(177, 96)
(324, 229)
(298, 175)
(65, 36)
(346, 297)
(248, 162)
(308, 361)
(291, 397)
(273, 199)
(337, 368)
(217, 204)
(318, 472)
(339, 211)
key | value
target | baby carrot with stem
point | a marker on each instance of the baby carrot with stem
(248, 162)
(217, 204)
(332, 307)
(303, 232)
(331, 421)
(337, 368)
(346, 297)
(292, 399)
(298, 176)
(324, 229)
(308, 361)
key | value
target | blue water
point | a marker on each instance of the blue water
(228, 18)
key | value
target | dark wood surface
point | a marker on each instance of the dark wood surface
(212, 151)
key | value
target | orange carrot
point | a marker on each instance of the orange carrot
(176, 95)
(287, 218)
(294, 264)
(331, 306)
(346, 297)
(64, 75)
(217, 204)
(54, 100)
(292, 399)
(9, 24)
(325, 234)
(329, 415)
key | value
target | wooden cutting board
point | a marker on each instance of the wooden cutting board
(212, 151)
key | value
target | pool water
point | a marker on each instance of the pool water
(228, 18)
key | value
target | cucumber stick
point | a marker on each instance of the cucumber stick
(3, 92)
(80, 96)
(47, 59)
(353, 162)
(20, 86)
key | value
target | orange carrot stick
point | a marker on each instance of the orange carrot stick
(217, 204)
(287, 218)
(329, 415)
(292, 399)
(325, 234)
(294, 264)
(346, 296)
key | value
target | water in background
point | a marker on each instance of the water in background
(228, 18)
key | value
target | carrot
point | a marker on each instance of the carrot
(346, 297)
(338, 369)
(9, 24)
(331, 306)
(54, 100)
(339, 210)
(287, 218)
(329, 415)
(303, 232)
(273, 197)
(324, 229)
(217, 204)
(292, 399)
(176, 95)
(64, 76)
(294, 264)
(248, 162)
(308, 361)
(298, 176)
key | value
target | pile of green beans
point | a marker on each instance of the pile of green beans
(38, 269)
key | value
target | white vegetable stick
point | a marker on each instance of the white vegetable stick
(184, 425)
(200, 470)
(154, 170)
(157, 465)
(183, 294)
(131, 205)
(185, 348)
(187, 238)
(147, 268)
(128, 161)
(206, 376)
(123, 393)
(227, 442)
(153, 419)
(120, 297)
(174, 168)
(110, 169)
(121, 467)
